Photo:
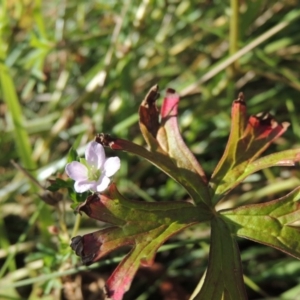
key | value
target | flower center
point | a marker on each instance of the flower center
(93, 173)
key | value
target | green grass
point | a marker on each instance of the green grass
(69, 70)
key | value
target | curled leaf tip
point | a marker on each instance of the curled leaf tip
(78, 244)
(285, 125)
(241, 96)
(84, 205)
(266, 119)
(104, 139)
(266, 122)
(170, 91)
(152, 96)
(108, 293)
(148, 112)
(107, 141)
(240, 100)
(170, 104)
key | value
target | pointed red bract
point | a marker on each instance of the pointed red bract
(141, 225)
(170, 105)
(149, 113)
(247, 140)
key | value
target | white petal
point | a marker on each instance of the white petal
(76, 171)
(95, 155)
(111, 166)
(83, 186)
(102, 183)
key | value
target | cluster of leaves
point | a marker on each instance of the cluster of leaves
(145, 226)
(71, 69)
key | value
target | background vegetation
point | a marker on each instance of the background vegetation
(71, 69)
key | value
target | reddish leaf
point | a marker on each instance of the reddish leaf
(275, 223)
(247, 140)
(145, 226)
(173, 141)
(149, 116)
(167, 148)
(187, 178)
(141, 225)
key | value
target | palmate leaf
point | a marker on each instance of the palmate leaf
(170, 139)
(143, 226)
(165, 136)
(164, 139)
(275, 223)
(249, 137)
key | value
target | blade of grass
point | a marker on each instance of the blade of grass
(289, 18)
(10, 97)
(4, 244)
(22, 238)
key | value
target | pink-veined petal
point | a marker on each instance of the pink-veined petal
(83, 186)
(111, 166)
(76, 171)
(95, 155)
(102, 183)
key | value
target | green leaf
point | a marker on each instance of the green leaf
(247, 140)
(224, 276)
(142, 225)
(9, 95)
(76, 197)
(59, 184)
(72, 155)
(167, 148)
(282, 158)
(163, 162)
(275, 223)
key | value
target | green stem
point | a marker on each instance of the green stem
(233, 47)
(76, 225)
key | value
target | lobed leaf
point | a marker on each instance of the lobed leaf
(162, 161)
(169, 136)
(149, 118)
(224, 276)
(282, 158)
(142, 225)
(57, 184)
(247, 140)
(167, 149)
(275, 223)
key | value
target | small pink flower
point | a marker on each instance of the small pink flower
(93, 172)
